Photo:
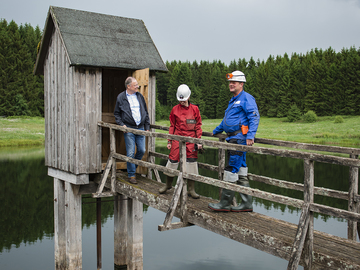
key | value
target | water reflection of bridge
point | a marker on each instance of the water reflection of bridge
(299, 244)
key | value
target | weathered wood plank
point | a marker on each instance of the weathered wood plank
(307, 146)
(276, 182)
(120, 230)
(134, 234)
(81, 179)
(173, 204)
(104, 176)
(296, 145)
(264, 233)
(251, 149)
(249, 191)
(73, 226)
(299, 238)
(309, 199)
(183, 197)
(72, 121)
(59, 224)
(353, 205)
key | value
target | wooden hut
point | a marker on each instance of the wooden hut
(85, 58)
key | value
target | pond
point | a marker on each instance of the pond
(27, 226)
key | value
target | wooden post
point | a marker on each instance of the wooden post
(183, 197)
(134, 234)
(112, 151)
(73, 228)
(59, 224)
(151, 106)
(120, 230)
(309, 199)
(98, 233)
(353, 206)
(300, 236)
(221, 162)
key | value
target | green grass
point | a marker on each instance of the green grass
(24, 131)
(324, 131)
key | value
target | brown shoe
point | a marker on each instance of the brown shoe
(132, 180)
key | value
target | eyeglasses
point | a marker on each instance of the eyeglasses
(229, 76)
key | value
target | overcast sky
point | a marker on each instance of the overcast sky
(225, 30)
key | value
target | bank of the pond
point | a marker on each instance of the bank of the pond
(23, 131)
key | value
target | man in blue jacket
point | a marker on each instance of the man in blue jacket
(131, 111)
(240, 123)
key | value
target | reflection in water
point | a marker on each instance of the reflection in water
(26, 227)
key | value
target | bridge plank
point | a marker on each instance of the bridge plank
(259, 231)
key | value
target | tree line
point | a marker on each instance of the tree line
(21, 93)
(324, 81)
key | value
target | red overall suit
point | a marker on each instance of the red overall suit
(184, 121)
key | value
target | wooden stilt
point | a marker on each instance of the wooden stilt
(135, 234)
(73, 229)
(59, 224)
(120, 230)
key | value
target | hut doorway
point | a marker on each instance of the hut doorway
(113, 83)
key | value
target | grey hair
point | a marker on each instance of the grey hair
(128, 81)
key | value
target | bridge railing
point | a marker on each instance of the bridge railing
(305, 231)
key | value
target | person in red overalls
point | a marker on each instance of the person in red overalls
(185, 120)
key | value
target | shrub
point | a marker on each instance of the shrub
(310, 117)
(338, 119)
(294, 113)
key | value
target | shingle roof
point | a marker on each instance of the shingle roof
(93, 39)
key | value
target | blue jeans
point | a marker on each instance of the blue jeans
(131, 140)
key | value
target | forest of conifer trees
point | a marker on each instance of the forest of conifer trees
(324, 81)
(21, 93)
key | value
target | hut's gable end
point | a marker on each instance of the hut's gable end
(72, 110)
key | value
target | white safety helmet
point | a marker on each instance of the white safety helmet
(236, 76)
(183, 92)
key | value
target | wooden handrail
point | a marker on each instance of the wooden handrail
(309, 189)
(304, 236)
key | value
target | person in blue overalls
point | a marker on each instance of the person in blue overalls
(240, 123)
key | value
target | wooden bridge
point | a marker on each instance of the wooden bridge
(298, 243)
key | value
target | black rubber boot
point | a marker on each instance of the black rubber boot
(168, 185)
(225, 202)
(246, 203)
(191, 189)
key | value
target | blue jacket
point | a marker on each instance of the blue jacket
(123, 115)
(242, 110)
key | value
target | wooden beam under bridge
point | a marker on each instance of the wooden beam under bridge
(265, 233)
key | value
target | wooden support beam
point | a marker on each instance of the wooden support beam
(173, 204)
(183, 197)
(109, 166)
(80, 179)
(113, 167)
(59, 224)
(73, 226)
(120, 230)
(309, 200)
(353, 205)
(134, 235)
(299, 238)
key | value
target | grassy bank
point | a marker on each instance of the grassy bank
(324, 131)
(30, 131)
(22, 131)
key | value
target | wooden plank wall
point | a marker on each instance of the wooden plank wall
(72, 110)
